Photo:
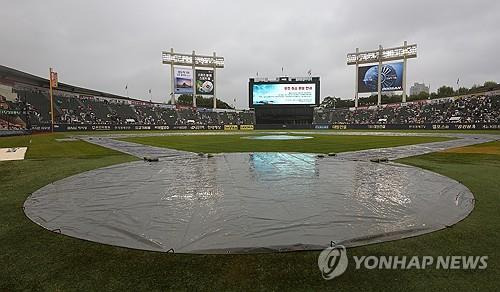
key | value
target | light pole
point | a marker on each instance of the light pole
(380, 56)
(192, 60)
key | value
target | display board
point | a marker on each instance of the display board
(183, 81)
(284, 91)
(391, 78)
(205, 82)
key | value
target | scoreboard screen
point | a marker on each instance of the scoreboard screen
(286, 92)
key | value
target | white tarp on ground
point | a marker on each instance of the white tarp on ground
(14, 153)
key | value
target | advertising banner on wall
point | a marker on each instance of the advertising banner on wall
(183, 80)
(391, 78)
(205, 82)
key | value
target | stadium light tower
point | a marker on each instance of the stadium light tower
(379, 56)
(193, 61)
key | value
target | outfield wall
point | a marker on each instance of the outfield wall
(100, 127)
(6, 133)
(443, 126)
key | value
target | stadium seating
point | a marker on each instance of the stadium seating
(466, 109)
(39, 102)
(77, 109)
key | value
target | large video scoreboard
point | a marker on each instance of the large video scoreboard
(284, 91)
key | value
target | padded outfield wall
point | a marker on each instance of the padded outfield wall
(444, 126)
(101, 127)
(104, 127)
(440, 126)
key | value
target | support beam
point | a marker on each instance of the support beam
(215, 84)
(194, 80)
(404, 75)
(52, 115)
(357, 81)
(172, 80)
(379, 99)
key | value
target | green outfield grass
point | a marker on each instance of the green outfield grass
(32, 258)
(319, 144)
(494, 132)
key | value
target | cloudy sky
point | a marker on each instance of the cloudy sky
(105, 45)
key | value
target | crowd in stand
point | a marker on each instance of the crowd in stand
(81, 110)
(9, 117)
(467, 109)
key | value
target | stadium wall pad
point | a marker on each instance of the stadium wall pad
(101, 127)
(6, 133)
(447, 126)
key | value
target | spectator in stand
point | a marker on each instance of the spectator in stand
(75, 109)
(469, 109)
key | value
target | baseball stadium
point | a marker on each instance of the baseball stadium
(391, 187)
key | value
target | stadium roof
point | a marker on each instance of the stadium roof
(11, 75)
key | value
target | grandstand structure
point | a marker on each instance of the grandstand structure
(25, 104)
(473, 111)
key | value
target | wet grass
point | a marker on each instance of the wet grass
(494, 132)
(319, 143)
(32, 258)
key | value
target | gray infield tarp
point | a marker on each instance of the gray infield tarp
(249, 203)
(253, 202)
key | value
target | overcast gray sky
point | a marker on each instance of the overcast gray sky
(105, 45)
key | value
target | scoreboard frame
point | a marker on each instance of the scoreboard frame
(284, 80)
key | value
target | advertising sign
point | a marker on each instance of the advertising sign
(246, 127)
(183, 80)
(391, 78)
(205, 82)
